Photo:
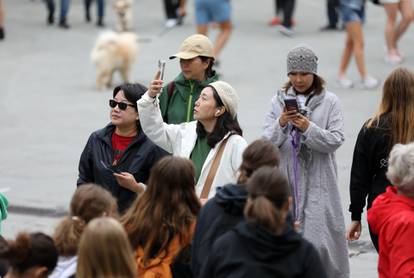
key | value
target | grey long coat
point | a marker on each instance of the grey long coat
(320, 211)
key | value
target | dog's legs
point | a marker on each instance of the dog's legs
(109, 78)
(125, 73)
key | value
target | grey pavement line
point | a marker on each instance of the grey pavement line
(37, 211)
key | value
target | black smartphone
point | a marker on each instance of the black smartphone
(110, 168)
(291, 104)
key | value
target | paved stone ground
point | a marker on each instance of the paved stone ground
(49, 106)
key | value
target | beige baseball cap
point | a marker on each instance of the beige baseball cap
(194, 46)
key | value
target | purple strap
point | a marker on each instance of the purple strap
(295, 140)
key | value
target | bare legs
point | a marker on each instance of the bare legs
(394, 31)
(222, 38)
(2, 12)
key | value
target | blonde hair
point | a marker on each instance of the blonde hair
(401, 167)
(105, 251)
(398, 104)
(89, 201)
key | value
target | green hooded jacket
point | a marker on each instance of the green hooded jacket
(179, 107)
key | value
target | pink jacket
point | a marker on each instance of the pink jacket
(391, 217)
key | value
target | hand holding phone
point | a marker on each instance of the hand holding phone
(161, 68)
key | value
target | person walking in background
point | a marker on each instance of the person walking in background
(264, 244)
(104, 251)
(178, 97)
(394, 31)
(276, 20)
(100, 8)
(64, 9)
(2, 16)
(223, 212)
(392, 216)
(119, 157)
(217, 11)
(332, 10)
(174, 12)
(305, 121)
(353, 16)
(88, 202)
(288, 8)
(31, 255)
(160, 223)
(391, 124)
(213, 141)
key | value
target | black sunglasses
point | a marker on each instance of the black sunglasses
(122, 105)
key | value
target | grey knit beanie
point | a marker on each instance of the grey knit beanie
(302, 59)
(228, 96)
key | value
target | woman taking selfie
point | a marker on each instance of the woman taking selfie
(120, 156)
(391, 124)
(213, 141)
(305, 122)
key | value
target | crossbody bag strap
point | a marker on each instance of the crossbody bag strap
(213, 170)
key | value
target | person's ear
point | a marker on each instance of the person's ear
(219, 111)
(40, 272)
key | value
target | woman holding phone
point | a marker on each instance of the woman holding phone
(305, 122)
(213, 141)
(119, 156)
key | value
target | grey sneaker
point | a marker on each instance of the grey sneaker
(369, 83)
(344, 83)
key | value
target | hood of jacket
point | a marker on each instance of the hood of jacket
(232, 198)
(265, 246)
(387, 205)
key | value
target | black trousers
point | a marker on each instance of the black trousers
(332, 8)
(288, 7)
(171, 7)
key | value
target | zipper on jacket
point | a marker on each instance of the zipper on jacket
(190, 100)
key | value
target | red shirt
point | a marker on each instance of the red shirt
(119, 144)
(392, 218)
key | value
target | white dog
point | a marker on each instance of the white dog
(123, 9)
(112, 52)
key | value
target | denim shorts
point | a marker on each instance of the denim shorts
(350, 14)
(207, 11)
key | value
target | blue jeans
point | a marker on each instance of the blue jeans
(100, 7)
(64, 8)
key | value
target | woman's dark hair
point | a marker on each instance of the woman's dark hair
(259, 153)
(133, 93)
(317, 86)
(209, 71)
(268, 191)
(225, 123)
(30, 250)
(166, 209)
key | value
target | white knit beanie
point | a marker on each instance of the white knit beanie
(227, 95)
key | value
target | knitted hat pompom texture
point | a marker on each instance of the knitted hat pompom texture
(302, 59)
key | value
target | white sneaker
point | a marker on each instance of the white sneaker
(170, 23)
(344, 83)
(369, 83)
(288, 32)
(393, 59)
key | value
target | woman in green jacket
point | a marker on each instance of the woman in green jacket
(177, 98)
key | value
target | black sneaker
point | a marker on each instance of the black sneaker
(328, 28)
(100, 23)
(2, 34)
(64, 25)
(50, 19)
(88, 17)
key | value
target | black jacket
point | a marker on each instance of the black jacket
(369, 166)
(137, 159)
(250, 251)
(217, 216)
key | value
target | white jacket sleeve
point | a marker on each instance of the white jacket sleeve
(162, 134)
(272, 129)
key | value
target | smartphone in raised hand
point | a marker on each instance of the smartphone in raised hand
(161, 68)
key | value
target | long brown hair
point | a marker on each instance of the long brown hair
(269, 192)
(318, 84)
(89, 201)
(397, 104)
(259, 153)
(104, 251)
(166, 208)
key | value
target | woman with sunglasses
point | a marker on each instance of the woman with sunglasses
(213, 141)
(120, 156)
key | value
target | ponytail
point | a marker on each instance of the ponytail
(261, 211)
(67, 235)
